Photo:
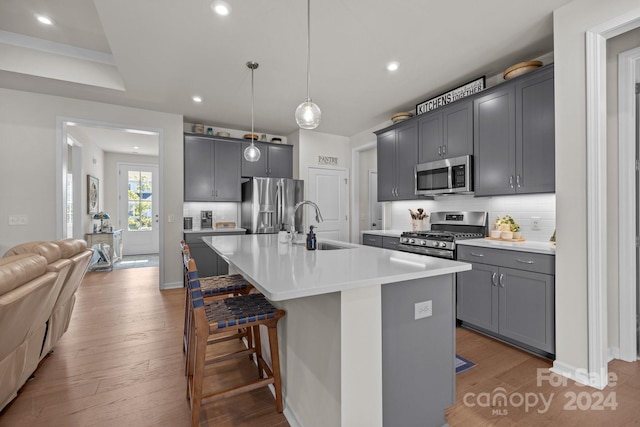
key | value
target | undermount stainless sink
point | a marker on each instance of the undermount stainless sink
(324, 246)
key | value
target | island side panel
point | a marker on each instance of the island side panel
(361, 357)
(418, 369)
(310, 360)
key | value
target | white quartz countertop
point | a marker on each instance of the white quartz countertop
(388, 233)
(283, 271)
(526, 246)
(216, 230)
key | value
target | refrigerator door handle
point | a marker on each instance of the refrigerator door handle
(279, 206)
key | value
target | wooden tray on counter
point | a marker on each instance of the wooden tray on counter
(500, 239)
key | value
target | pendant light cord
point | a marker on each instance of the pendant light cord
(308, 48)
(252, 106)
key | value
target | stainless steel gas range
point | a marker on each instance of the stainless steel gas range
(446, 229)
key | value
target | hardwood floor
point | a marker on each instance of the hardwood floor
(504, 371)
(121, 364)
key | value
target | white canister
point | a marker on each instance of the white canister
(284, 237)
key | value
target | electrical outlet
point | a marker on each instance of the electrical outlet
(535, 223)
(18, 220)
(171, 218)
(423, 309)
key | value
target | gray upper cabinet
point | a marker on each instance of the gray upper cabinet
(535, 134)
(276, 160)
(514, 136)
(211, 170)
(494, 142)
(397, 154)
(446, 132)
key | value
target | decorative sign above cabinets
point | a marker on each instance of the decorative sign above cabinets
(475, 86)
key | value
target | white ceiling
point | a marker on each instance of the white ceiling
(156, 54)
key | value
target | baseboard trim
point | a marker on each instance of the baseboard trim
(579, 375)
(291, 416)
(172, 285)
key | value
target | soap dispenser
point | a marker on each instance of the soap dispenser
(311, 239)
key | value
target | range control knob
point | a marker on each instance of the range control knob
(434, 244)
(412, 241)
(423, 242)
(443, 245)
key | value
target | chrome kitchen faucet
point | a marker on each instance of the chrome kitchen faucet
(293, 216)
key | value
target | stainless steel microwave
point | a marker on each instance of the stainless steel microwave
(448, 176)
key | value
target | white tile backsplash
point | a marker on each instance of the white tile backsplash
(521, 208)
(221, 211)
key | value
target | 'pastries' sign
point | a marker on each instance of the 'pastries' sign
(463, 91)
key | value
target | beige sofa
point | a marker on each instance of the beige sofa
(38, 281)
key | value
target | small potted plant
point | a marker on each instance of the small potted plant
(515, 229)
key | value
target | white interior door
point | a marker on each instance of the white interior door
(375, 207)
(138, 208)
(328, 189)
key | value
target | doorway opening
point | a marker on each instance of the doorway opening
(94, 148)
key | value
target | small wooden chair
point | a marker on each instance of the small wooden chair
(211, 323)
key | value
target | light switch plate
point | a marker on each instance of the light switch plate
(423, 309)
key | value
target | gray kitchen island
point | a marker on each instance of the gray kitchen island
(369, 334)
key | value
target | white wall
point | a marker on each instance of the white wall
(570, 25)
(28, 166)
(92, 164)
(367, 162)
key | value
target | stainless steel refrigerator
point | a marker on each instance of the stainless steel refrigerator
(267, 204)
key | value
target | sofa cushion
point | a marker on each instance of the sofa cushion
(19, 269)
(49, 250)
(70, 247)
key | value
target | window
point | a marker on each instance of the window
(140, 212)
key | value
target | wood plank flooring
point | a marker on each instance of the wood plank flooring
(121, 364)
(502, 370)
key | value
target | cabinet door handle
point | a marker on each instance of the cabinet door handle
(511, 181)
(477, 254)
(444, 150)
(440, 150)
(501, 281)
(524, 261)
(494, 276)
(518, 183)
(372, 240)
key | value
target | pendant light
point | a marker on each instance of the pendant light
(252, 153)
(308, 113)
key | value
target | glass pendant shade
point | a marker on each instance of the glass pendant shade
(251, 153)
(308, 115)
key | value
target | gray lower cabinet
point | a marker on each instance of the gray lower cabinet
(276, 160)
(211, 170)
(207, 261)
(390, 242)
(514, 136)
(386, 242)
(510, 295)
(372, 240)
(446, 132)
(397, 154)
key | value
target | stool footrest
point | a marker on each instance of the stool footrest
(234, 391)
(228, 356)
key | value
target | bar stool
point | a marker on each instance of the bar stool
(213, 287)
(211, 320)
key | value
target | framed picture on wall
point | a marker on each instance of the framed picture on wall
(93, 191)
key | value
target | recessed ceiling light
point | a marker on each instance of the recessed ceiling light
(44, 19)
(393, 66)
(196, 98)
(221, 7)
(135, 147)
